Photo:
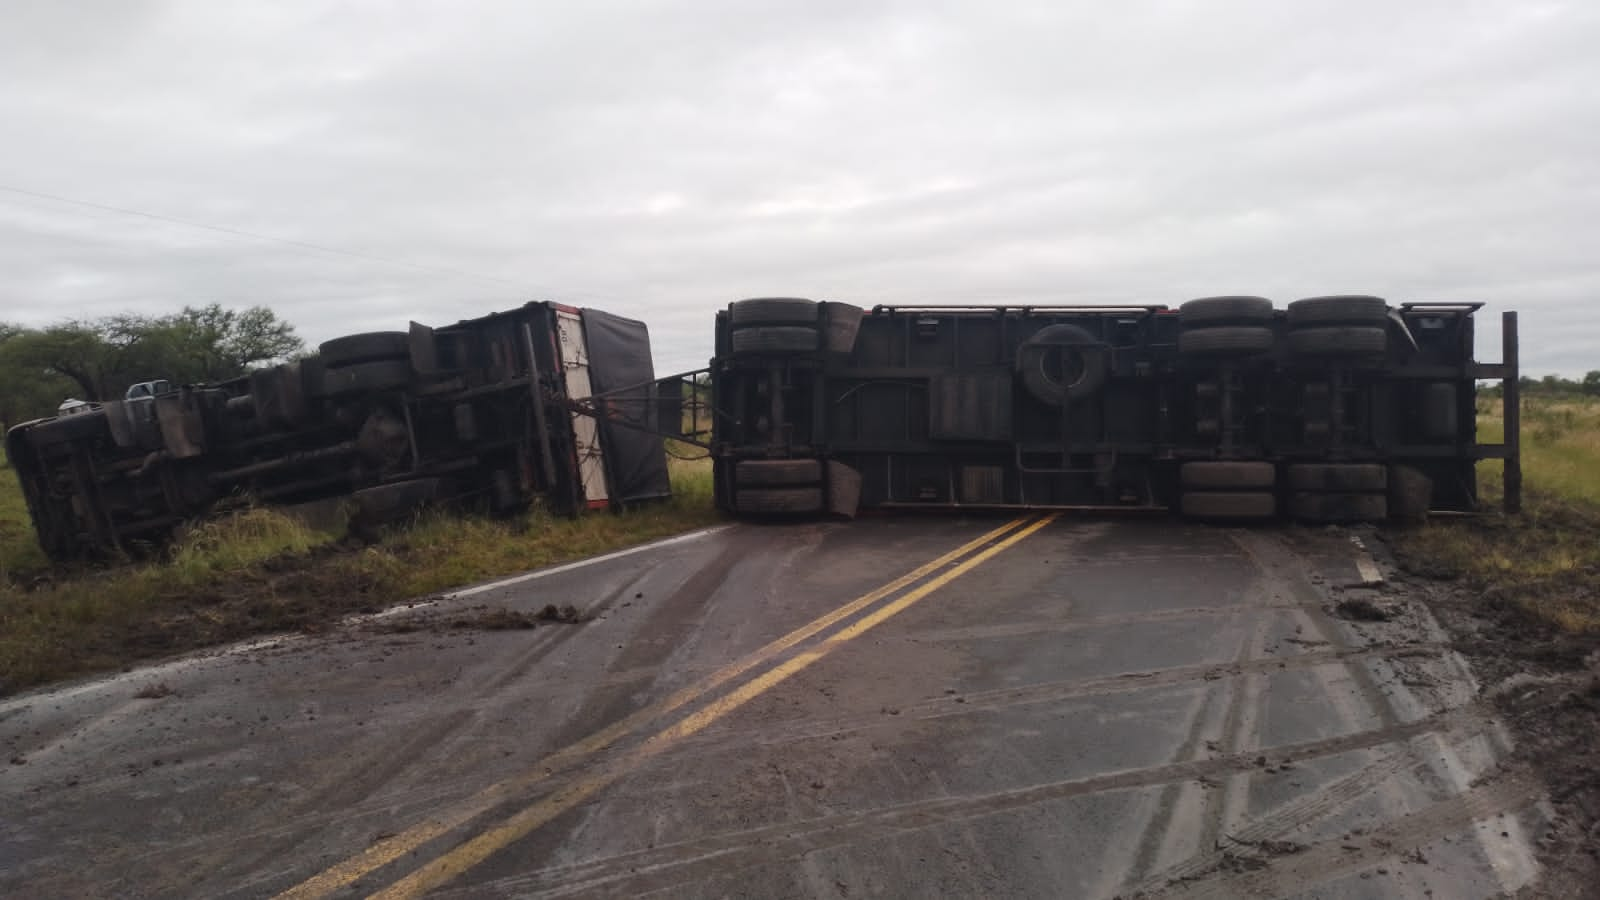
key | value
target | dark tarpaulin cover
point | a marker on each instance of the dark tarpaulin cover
(619, 357)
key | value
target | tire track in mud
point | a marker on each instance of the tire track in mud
(1323, 862)
(1158, 830)
(685, 862)
(357, 791)
(1036, 626)
(1306, 810)
(730, 736)
(298, 827)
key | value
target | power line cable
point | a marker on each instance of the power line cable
(305, 245)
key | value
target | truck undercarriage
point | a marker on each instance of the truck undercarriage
(1333, 409)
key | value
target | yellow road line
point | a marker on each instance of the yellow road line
(473, 852)
(386, 851)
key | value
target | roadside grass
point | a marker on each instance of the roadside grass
(259, 571)
(20, 555)
(1546, 562)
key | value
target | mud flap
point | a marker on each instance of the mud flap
(844, 489)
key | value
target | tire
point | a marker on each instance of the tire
(360, 378)
(1337, 508)
(1209, 311)
(1228, 505)
(775, 339)
(367, 347)
(1340, 341)
(773, 311)
(1037, 368)
(1229, 476)
(1339, 477)
(1342, 310)
(778, 501)
(1227, 340)
(778, 472)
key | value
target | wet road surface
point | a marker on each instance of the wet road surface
(895, 707)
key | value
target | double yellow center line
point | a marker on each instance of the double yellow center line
(922, 581)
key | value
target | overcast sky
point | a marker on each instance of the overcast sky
(661, 159)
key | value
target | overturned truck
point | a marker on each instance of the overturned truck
(1333, 409)
(493, 411)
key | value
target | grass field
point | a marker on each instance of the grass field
(1546, 562)
(260, 571)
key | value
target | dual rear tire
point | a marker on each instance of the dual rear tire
(1319, 493)
(790, 487)
(786, 326)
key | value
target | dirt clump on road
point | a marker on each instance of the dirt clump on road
(475, 618)
(1361, 609)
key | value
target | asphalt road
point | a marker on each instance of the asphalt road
(895, 707)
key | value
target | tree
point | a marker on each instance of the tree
(212, 343)
(97, 359)
(1591, 382)
(26, 391)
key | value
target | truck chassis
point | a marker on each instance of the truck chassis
(1333, 409)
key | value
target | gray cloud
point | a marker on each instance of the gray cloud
(659, 160)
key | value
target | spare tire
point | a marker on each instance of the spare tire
(367, 347)
(1347, 309)
(773, 311)
(1225, 311)
(1343, 340)
(1227, 340)
(1062, 363)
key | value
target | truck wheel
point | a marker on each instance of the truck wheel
(1228, 504)
(1341, 310)
(1335, 508)
(1339, 341)
(1228, 340)
(773, 311)
(1208, 311)
(1235, 476)
(360, 378)
(1339, 477)
(1062, 363)
(775, 339)
(779, 501)
(778, 471)
(368, 347)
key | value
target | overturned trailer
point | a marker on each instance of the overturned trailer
(493, 411)
(1333, 409)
